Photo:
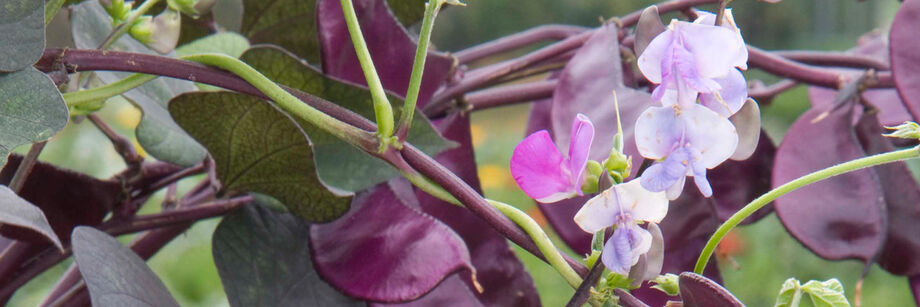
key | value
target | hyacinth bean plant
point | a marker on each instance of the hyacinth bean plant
(336, 146)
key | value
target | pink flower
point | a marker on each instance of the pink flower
(543, 173)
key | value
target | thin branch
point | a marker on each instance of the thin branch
(123, 145)
(25, 166)
(584, 290)
(665, 7)
(177, 216)
(786, 68)
(517, 40)
(765, 94)
(839, 59)
(511, 94)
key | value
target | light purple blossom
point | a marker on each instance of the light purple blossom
(686, 141)
(624, 206)
(541, 170)
(692, 58)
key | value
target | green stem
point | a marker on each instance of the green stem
(125, 26)
(433, 189)
(83, 98)
(382, 108)
(418, 67)
(51, 9)
(765, 199)
(541, 239)
(285, 100)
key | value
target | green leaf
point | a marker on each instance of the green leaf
(258, 149)
(228, 43)
(408, 12)
(341, 165)
(15, 211)
(157, 133)
(31, 109)
(263, 258)
(22, 23)
(288, 23)
(667, 283)
(787, 293)
(114, 274)
(826, 293)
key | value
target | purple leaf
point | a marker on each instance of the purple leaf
(385, 250)
(561, 214)
(915, 287)
(586, 86)
(905, 60)
(696, 290)
(78, 199)
(114, 274)
(498, 270)
(734, 194)
(837, 218)
(263, 261)
(392, 48)
(453, 291)
(901, 253)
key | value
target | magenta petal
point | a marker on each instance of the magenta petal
(538, 168)
(580, 147)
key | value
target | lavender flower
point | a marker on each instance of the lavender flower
(687, 141)
(624, 206)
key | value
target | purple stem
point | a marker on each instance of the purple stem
(517, 40)
(839, 59)
(584, 290)
(177, 216)
(511, 94)
(767, 93)
(786, 68)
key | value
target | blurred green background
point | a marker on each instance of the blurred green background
(765, 256)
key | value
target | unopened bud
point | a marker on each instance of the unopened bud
(618, 165)
(117, 9)
(192, 8)
(593, 171)
(907, 130)
(164, 32)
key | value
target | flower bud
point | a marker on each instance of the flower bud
(618, 165)
(593, 171)
(907, 130)
(192, 8)
(160, 33)
(117, 9)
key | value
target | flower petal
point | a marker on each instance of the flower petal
(649, 61)
(642, 204)
(623, 249)
(734, 93)
(538, 168)
(709, 134)
(598, 212)
(657, 131)
(673, 192)
(711, 46)
(580, 147)
(699, 178)
(662, 175)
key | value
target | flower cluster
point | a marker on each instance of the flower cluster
(691, 62)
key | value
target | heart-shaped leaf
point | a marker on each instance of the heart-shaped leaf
(18, 212)
(78, 199)
(391, 47)
(838, 218)
(115, 275)
(291, 24)
(498, 270)
(905, 60)
(385, 249)
(453, 291)
(157, 133)
(258, 148)
(699, 291)
(338, 162)
(901, 253)
(264, 260)
(32, 109)
(22, 23)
